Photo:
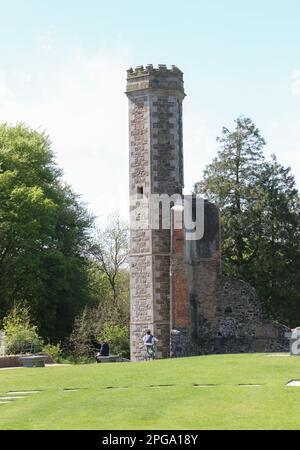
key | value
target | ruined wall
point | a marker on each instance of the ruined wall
(243, 327)
(177, 289)
(225, 315)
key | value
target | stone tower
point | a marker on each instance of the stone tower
(156, 167)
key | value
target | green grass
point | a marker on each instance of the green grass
(136, 405)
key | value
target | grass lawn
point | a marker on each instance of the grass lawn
(120, 396)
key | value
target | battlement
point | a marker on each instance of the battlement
(158, 79)
(161, 70)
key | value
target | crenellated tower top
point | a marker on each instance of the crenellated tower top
(160, 78)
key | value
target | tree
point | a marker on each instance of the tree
(259, 207)
(44, 234)
(21, 336)
(276, 269)
(109, 277)
(110, 252)
(118, 338)
(232, 182)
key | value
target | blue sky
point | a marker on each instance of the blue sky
(63, 68)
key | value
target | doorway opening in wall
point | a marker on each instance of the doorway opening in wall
(140, 191)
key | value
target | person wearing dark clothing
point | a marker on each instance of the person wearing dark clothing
(104, 351)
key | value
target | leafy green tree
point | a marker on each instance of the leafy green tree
(110, 250)
(118, 338)
(232, 182)
(110, 255)
(21, 336)
(109, 283)
(275, 270)
(44, 234)
(54, 351)
(259, 207)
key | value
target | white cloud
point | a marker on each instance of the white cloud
(6, 94)
(23, 77)
(284, 142)
(46, 41)
(200, 145)
(82, 106)
(295, 85)
(275, 125)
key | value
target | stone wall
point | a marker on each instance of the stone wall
(2, 343)
(225, 315)
(156, 167)
(9, 361)
(14, 361)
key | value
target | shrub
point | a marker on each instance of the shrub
(21, 336)
(94, 325)
(54, 351)
(117, 337)
(72, 358)
(83, 334)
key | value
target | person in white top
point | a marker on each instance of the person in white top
(149, 342)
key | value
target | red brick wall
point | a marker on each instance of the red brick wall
(180, 282)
